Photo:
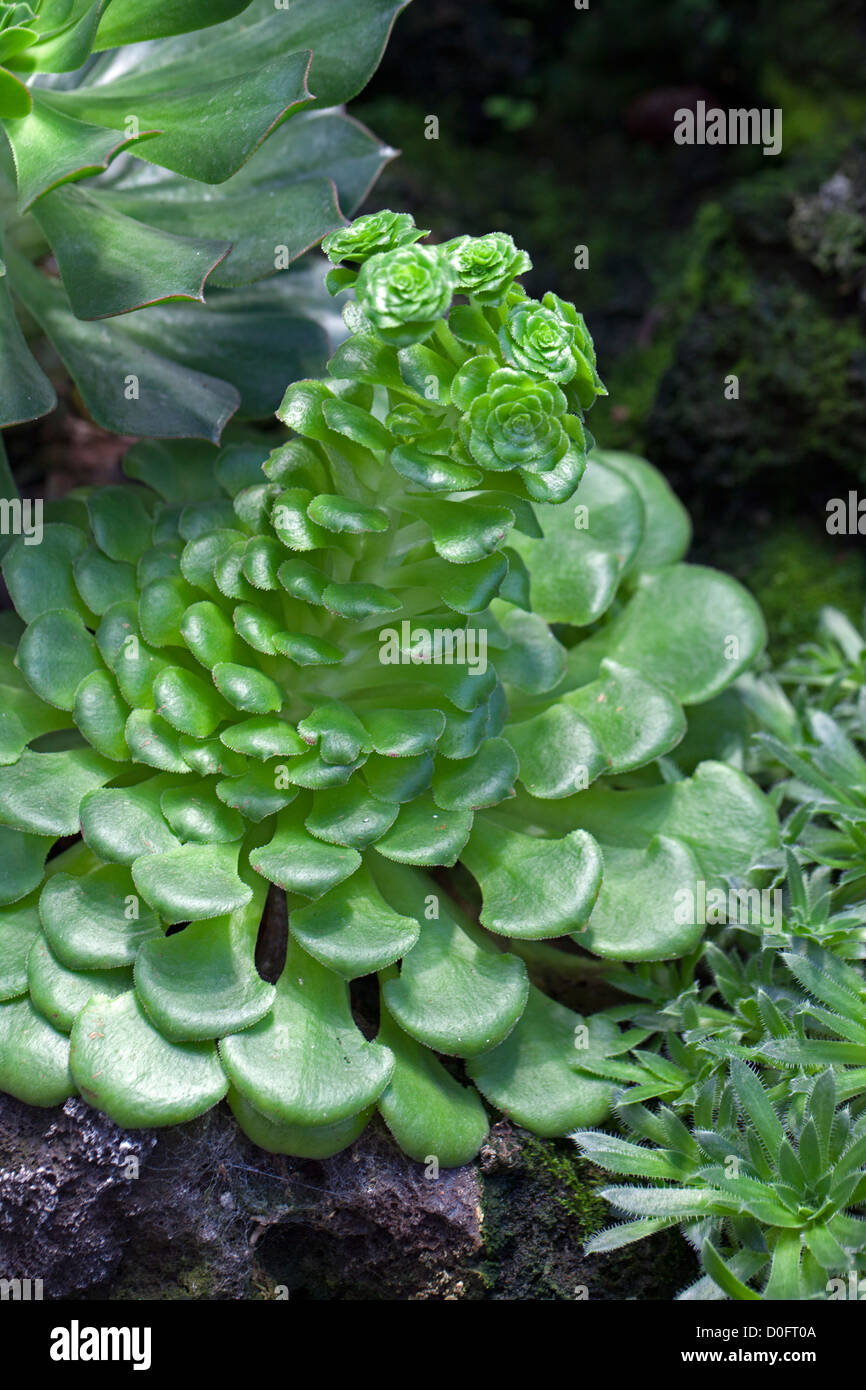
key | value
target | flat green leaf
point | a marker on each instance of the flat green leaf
(429, 1113)
(634, 719)
(456, 993)
(307, 1063)
(154, 742)
(667, 528)
(112, 264)
(352, 929)
(259, 792)
(19, 928)
(55, 654)
(121, 823)
(125, 1068)
(691, 629)
(558, 752)
(189, 703)
(533, 887)
(424, 834)
(195, 813)
(483, 780)
(202, 982)
(645, 907)
(60, 993)
(34, 1057)
(587, 545)
(102, 582)
(349, 816)
(192, 883)
(295, 860)
(51, 148)
(530, 1076)
(299, 1141)
(95, 920)
(42, 792)
(22, 859)
(37, 585)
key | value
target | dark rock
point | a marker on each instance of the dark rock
(197, 1212)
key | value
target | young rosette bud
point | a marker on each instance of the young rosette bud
(486, 266)
(370, 235)
(516, 423)
(404, 292)
(260, 694)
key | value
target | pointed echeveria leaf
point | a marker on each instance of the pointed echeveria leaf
(128, 1070)
(531, 1075)
(34, 1057)
(112, 264)
(202, 982)
(533, 887)
(352, 929)
(172, 97)
(95, 921)
(456, 992)
(299, 1141)
(60, 993)
(429, 1113)
(307, 1063)
(192, 883)
(42, 792)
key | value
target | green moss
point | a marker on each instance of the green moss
(794, 573)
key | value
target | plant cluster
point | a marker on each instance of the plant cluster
(762, 1159)
(430, 626)
(151, 151)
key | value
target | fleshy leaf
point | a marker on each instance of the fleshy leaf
(307, 1063)
(125, 1068)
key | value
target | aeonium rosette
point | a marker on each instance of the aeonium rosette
(264, 691)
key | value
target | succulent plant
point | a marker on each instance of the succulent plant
(765, 1201)
(309, 678)
(151, 151)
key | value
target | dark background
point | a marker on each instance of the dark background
(556, 125)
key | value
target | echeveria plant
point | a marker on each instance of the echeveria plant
(308, 678)
(147, 154)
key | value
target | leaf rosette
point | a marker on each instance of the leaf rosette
(486, 266)
(404, 292)
(261, 693)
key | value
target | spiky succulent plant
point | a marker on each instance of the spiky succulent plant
(150, 150)
(324, 670)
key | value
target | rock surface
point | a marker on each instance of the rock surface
(198, 1212)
